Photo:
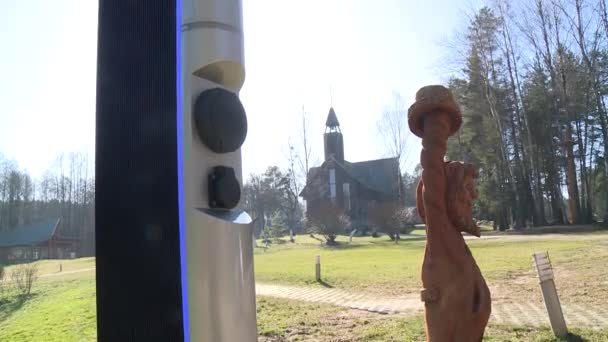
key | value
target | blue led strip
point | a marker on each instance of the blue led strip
(180, 169)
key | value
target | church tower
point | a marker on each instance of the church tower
(332, 139)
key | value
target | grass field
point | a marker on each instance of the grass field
(380, 266)
(62, 306)
(61, 309)
(283, 320)
(51, 267)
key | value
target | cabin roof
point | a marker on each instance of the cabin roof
(30, 234)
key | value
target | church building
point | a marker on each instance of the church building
(353, 187)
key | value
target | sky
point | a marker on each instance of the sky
(295, 52)
(47, 80)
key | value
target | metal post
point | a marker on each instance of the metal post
(318, 268)
(219, 284)
(547, 285)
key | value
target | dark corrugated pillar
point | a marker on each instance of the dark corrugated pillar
(136, 220)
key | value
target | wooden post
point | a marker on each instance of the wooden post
(318, 268)
(547, 285)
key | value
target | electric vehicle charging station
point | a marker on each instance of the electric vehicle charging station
(174, 254)
(218, 286)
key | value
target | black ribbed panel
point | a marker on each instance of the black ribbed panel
(137, 230)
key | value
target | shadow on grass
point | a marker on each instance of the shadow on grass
(342, 245)
(10, 305)
(339, 245)
(403, 240)
(586, 229)
(573, 338)
(346, 245)
(324, 284)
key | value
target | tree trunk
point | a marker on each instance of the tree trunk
(520, 179)
(596, 83)
(573, 196)
(571, 181)
(553, 188)
(524, 128)
(605, 141)
(582, 140)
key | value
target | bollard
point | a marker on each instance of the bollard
(350, 236)
(547, 285)
(318, 268)
(60, 267)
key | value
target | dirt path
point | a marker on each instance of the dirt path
(57, 274)
(531, 314)
(66, 272)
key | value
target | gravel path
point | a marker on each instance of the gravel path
(533, 314)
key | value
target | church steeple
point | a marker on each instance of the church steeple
(332, 139)
(332, 120)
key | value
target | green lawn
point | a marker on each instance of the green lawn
(378, 265)
(52, 266)
(62, 306)
(58, 310)
(280, 319)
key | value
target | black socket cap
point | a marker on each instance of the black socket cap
(220, 120)
(224, 188)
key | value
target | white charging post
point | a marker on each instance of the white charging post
(547, 285)
(318, 268)
(219, 278)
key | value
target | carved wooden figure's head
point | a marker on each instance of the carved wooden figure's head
(460, 196)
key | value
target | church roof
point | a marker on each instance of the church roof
(332, 119)
(380, 175)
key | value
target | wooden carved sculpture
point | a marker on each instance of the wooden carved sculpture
(456, 298)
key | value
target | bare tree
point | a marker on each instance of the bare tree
(590, 50)
(528, 167)
(393, 129)
(27, 210)
(541, 33)
(305, 156)
(254, 202)
(292, 185)
(3, 193)
(14, 196)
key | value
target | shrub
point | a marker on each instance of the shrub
(1, 280)
(329, 220)
(18, 277)
(23, 277)
(391, 218)
(275, 231)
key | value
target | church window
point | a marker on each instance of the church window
(346, 195)
(332, 184)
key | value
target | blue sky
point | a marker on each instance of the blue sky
(294, 51)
